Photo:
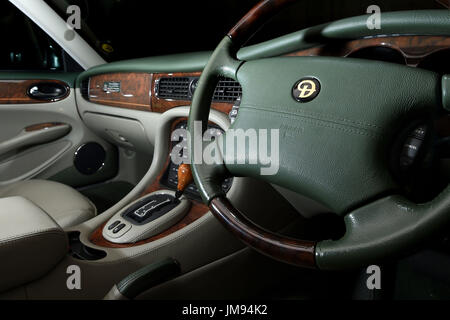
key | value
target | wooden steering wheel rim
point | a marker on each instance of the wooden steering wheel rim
(296, 252)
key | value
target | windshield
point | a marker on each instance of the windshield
(125, 29)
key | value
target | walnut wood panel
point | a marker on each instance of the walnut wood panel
(134, 90)
(413, 48)
(295, 252)
(196, 211)
(162, 105)
(16, 91)
(41, 126)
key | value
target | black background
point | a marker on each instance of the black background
(139, 28)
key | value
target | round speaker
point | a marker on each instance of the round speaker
(89, 158)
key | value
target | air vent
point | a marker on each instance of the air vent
(85, 88)
(176, 88)
(227, 90)
(182, 88)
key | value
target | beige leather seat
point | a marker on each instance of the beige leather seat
(65, 205)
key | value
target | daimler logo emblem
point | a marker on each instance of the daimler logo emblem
(306, 89)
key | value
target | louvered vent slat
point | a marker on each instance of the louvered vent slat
(176, 88)
(227, 90)
(181, 88)
(85, 88)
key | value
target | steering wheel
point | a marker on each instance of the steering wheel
(336, 119)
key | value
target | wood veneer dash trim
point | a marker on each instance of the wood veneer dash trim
(134, 90)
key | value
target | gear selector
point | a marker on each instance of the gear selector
(151, 208)
(146, 217)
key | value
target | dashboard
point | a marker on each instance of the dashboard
(159, 92)
(131, 86)
(139, 93)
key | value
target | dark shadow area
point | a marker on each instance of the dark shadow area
(106, 195)
(136, 28)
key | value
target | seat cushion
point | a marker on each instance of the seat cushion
(31, 242)
(64, 204)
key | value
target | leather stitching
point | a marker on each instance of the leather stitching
(319, 123)
(317, 116)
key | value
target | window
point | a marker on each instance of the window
(27, 47)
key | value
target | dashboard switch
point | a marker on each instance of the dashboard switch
(412, 147)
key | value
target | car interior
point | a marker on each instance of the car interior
(97, 99)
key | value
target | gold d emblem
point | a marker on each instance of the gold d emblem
(306, 89)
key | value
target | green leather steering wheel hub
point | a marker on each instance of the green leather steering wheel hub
(333, 148)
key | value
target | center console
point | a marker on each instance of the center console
(159, 210)
(146, 217)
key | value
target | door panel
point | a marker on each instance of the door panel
(40, 128)
(39, 137)
(19, 167)
(34, 135)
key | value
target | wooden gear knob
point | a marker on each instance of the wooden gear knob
(184, 177)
